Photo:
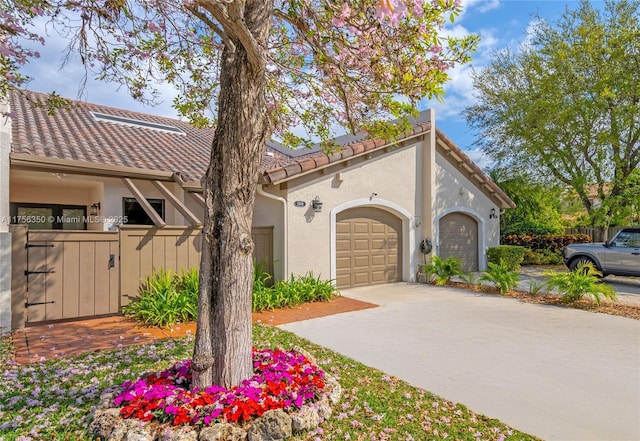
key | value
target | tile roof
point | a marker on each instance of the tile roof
(165, 144)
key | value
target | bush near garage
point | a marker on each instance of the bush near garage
(509, 255)
(541, 257)
(552, 242)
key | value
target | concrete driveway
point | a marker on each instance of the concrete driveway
(560, 374)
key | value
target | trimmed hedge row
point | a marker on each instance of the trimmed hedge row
(552, 242)
(509, 255)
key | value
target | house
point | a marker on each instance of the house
(97, 197)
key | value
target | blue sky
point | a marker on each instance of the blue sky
(500, 23)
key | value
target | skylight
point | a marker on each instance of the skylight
(136, 123)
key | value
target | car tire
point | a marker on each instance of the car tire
(573, 265)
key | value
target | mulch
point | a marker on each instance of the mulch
(60, 339)
(605, 307)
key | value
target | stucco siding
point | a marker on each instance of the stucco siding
(389, 182)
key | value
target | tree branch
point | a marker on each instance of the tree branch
(232, 20)
(213, 26)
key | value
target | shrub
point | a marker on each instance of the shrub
(541, 257)
(584, 281)
(443, 269)
(511, 255)
(165, 299)
(287, 293)
(501, 275)
(553, 242)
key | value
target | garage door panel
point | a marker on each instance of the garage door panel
(378, 228)
(360, 261)
(360, 228)
(343, 244)
(361, 279)
(368, 240)
(343, 263)
(343, 280)
(343, 228)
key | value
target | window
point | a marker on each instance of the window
(627, 239)
(49, 216)
(135, 214)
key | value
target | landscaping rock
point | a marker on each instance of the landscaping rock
(306, 418)
(122, 429)
(138, 433)
(180, 434)
(273, 425)
(323, 408)
(104, 421)
(222, 432)
(334, 388)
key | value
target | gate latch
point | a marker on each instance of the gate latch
(112, 261)
(26, 273)
(27, 304)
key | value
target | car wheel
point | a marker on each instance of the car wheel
(574, 264)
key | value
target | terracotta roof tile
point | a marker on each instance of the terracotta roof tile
(76, 133)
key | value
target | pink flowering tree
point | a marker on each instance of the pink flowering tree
(261, 68)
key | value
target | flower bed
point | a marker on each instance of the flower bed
(283, 380)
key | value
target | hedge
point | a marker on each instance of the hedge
(512, 255)
(552, 242)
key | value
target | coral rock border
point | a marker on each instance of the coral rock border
(274, 425)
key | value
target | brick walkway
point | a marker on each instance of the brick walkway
(56, 340)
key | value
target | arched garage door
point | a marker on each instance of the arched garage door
(368, 247)
(458, 235)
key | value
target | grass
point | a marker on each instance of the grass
(53, 400)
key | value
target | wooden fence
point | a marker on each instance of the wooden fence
(72, 274)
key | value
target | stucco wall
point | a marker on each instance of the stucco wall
(393, 178)
(38, 187)
(5, 236)
(455, 192)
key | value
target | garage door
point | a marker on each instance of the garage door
(368, 247)
(459, 239)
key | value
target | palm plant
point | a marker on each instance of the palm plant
(584, 281)
(443, 269)
(501, 275)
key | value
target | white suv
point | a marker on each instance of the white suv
(619, 256)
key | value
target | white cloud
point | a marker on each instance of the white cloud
(481, 6)
(51, 72)
(480, 159)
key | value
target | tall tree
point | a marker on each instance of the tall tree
(537, 204)
(566, 106)
(264, 66)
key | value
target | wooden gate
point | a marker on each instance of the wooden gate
(63, 275)
(72, 274)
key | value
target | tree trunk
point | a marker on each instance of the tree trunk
(222, 353)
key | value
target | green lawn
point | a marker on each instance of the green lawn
(53, 400)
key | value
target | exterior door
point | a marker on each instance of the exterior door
(458, 234)
(368, 247)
